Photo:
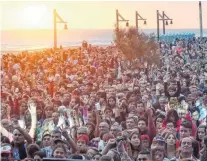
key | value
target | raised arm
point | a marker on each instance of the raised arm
(151, 124)
(111, 144)
(5, 132)
(122, 152)
(24, 133)
(177, 94)
(32, 110)
(166, 90)
(147, 73)
(70, 141)
(98, 120)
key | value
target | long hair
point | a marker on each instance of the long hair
(174, 113)
(91, 135)
(199, 127)
(108, 101)
(131, 147)
(196, 148)
(166, 135)
(159, 116)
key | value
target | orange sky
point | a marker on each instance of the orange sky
(97, 15)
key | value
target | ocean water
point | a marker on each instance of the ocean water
(18, 40)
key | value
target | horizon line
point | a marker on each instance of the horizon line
(103, 29)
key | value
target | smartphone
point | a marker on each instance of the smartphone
(16, 90)
(100, 145)
(98, 106)
(21, 124)
(117, 100)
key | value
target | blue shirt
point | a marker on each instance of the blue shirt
(48, 151)
(19, 153)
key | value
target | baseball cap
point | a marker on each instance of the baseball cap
(56, 141)
(145, 137)
(46, 133)
(158, 141)
(5, 149)
(83, 137)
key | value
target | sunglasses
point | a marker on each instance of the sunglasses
(141, 159)
(48, 139)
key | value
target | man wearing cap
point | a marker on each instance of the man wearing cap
(82, 143)
(158, 141)
(47, 143)
(145, 142)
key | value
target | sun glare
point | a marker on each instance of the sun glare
(32, 16)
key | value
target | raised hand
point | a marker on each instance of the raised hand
(125, 135)
(65, 133)
(85, 101)
(167, 107)
(111, 142)
(149, 104)
(149, 112)
(166, 78)
(76, 107)
(15, 124)
(73, 113)
(120, 147)
(32, 108)
(145, 64)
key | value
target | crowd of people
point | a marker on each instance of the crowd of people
(91, 103)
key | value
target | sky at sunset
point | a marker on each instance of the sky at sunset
(97, 15)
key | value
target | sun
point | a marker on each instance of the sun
(32, 16)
